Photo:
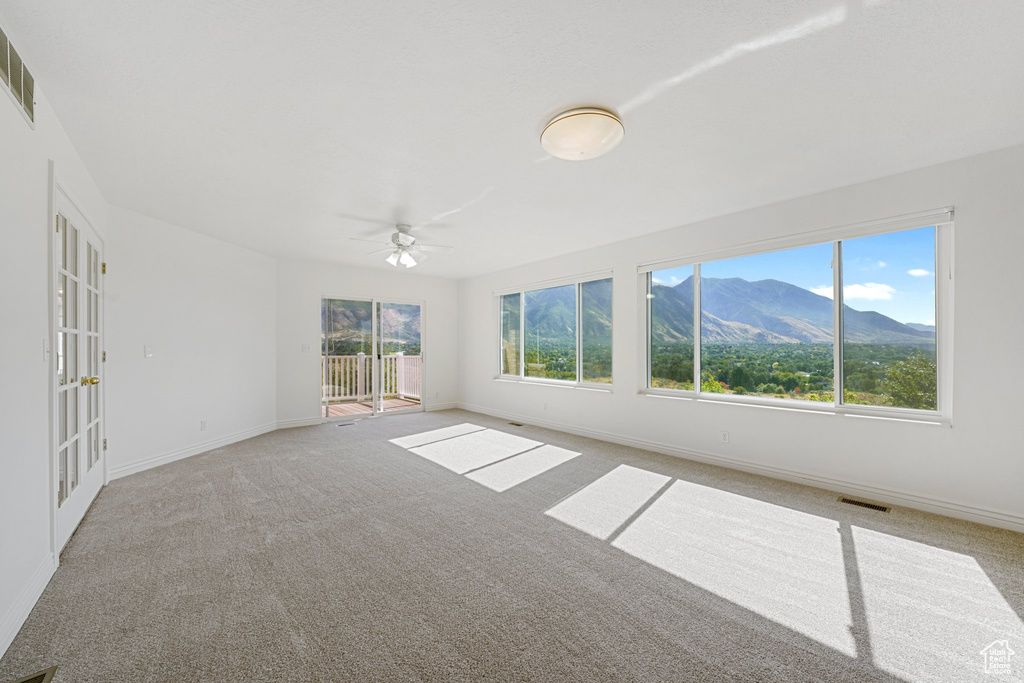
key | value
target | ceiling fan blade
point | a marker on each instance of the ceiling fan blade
(380, 251)
(433, 247)
(430, 224)
(365, 219)
(360, 239)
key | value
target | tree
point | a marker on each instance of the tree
(739, 377)
(911, 383)
(710, 385)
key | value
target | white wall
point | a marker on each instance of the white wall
(207, 309)
(301, 285)
(25, 226)
(973, 469)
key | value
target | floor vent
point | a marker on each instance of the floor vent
(41, 677)
(516, 424)
(864, 504)
(345, 424)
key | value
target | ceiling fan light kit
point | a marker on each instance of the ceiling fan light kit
(581, 134)
(403, 249)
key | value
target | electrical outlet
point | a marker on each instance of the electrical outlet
(306, 348)
(202, 425)
(725, 437)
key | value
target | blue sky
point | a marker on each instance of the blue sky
(892, 273)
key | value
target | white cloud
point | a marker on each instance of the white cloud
(871, 291)
(882, 264)
(670, 281)
(919, 272)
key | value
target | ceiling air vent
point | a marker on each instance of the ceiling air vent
(864, 504)
(16, 77)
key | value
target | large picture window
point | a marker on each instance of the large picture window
(762, 330)
(566, 332)
(767, 322)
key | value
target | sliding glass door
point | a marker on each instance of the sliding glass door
(346, 357)
(371, 357)
(401, 356)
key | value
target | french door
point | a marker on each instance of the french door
(77, 367)
(371, 357)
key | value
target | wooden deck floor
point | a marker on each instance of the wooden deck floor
(353, 408)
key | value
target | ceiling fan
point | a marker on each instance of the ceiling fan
(404, 248)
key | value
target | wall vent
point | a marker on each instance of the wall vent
(41, 677)
(516, 424)
(864, 504)
(17, 78)
(5, 67)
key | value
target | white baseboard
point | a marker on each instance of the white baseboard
(157, 460)
(431, 407)
(23, 604)
(300, 422)
(972, 513)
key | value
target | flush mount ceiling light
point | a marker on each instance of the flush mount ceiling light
(580, 134)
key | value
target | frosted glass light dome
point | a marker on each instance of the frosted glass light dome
(580, 134)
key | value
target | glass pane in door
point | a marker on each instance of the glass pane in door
(67, 362)
(346, 357)
(401, 358)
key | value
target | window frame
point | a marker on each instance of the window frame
(943, 222)
(577, 282)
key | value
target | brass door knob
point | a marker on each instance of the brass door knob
(90, 380)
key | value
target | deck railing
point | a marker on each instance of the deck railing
(351, 377)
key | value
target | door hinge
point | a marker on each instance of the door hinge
(104, 267)
(104, 444)
(104, 356)
(57, 220)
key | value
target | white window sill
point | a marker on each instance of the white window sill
(558, 384)
(800, 406)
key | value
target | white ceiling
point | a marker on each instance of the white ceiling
(284, 126)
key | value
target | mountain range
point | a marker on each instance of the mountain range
(353, 321)
(734, 310)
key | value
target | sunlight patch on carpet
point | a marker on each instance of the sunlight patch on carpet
(423, 438)
(783, 564)
(606, 504)
(948, 604)
(503, 475)
(470, 451)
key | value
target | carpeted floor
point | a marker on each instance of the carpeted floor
(488, 551)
